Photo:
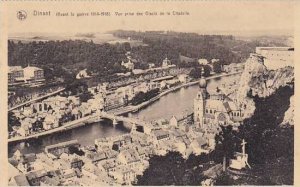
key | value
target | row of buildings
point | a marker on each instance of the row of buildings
(29, 74)
(53, 112)
(110, 161)
(166, 63)
(122, 95)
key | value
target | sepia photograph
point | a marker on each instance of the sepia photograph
(189, 96)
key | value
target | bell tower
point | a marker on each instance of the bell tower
(199, 101)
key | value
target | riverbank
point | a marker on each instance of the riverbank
(120, 111)
(131, 108)
(67, 126)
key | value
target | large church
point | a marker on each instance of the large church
(212, 110)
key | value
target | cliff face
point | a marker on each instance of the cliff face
(256, 80)
(289, 114)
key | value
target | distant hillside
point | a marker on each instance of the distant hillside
(270, 40)
(98, 38)
(224, 47)
(102, 54)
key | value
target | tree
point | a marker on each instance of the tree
(262, 130)
(217, 67)
(48, 74)
(195, 73)
(172, 169)
(75, 150)
(224, 180)
(12, 121)
(226, 142)
(141, 96)
(38, 124)
(84, 97)
(127, 46)
(207, 70)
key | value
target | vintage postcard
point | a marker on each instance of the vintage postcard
(164, 92)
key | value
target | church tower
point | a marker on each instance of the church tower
(199, 101)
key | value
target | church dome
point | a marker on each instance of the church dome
(202, 83)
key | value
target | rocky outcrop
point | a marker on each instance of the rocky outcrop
(266, 84)
(289, 114)
(253, 68)
(257, 80)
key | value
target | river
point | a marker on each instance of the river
(175, 103)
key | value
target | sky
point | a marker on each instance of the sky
(205, 17)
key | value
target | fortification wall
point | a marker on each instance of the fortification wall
(276, 57)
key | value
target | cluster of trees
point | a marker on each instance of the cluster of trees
(78, 88)
(59, 57)
(265, 137)
(142, 97)
(217, 67)
(270, 147)
(66, 117)
(197, 71)
(173, 169)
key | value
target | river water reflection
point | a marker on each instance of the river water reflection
(176, 103)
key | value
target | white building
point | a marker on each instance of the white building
(199, 145)
(129, 157)
(203, 61)
(50, 122)
(159, 136)
(123, 175)
(17, 74)
(151, 65)
(129, 65)
(138, 71)
(82, 74)
(143, 87)
(33, 73)
(214, 60)
(182, 78)
(166, 63)
(173, 122)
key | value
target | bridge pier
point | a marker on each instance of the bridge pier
(115, 122)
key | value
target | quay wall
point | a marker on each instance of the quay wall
(96, 117)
